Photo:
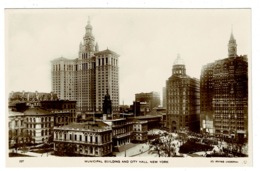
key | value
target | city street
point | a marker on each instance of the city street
(134, 151)
(33, 154)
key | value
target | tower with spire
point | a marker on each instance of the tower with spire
(232, 46)
(86, 78)
(87, 49)
(224, 95)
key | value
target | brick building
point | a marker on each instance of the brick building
(182, 94)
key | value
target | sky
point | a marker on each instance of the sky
(147, 40)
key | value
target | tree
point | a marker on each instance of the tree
(164, 145)
(65, 149)
(21, 140)
(182, 137)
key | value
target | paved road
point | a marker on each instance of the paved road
(136, 150)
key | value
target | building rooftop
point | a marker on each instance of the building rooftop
(14, 113)
(179, 60)
(62, 59)
(138, 121)
(36, 111)
(89, 125)
(147, 116)
(107, 51)
(114, 119)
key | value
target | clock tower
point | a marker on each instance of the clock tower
(232, 46)
(87, 49)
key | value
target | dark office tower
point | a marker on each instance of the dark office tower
(206, 96)
(182, 99)
(224, 95)
(152, 99)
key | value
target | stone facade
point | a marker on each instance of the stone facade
(87, 78)
(140, 131)
(39, 124)
(16, 127)
(121, 131)
(32, 116)
(84, 139)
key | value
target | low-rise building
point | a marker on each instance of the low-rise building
(122, 131)
(140, 131)
(121, 127)
(153, 121)
(39, 124)
(16, 127)
(64, 111)
(93, 138)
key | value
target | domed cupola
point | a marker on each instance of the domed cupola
(179, 66)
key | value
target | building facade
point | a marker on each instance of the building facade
(164, 97)
(224, 91)
(152, 98)
(182, 94)
(87, 78)
(39, 124)
(140, 131)
(16, 127)
(121, 131)
(140, 108)
(32, 116)
(93, 138)
(64, 111)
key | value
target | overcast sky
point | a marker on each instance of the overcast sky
(147, 41)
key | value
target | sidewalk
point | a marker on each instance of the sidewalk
(29, 153)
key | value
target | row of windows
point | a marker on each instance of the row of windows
(90, 139)
(66, 67)
(90, 150)
(42, 119)
(46, 125)
(17, 123)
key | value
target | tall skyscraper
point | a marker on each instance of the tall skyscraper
(87, 78)
(182, 99)
(164, 97)
(224, 95)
